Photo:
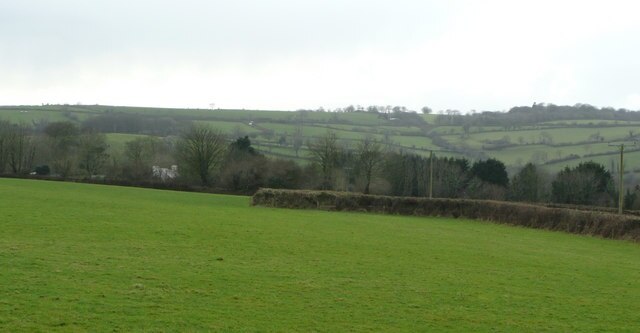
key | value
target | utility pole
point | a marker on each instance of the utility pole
(621, 177)
(431, 168)
(621, 198)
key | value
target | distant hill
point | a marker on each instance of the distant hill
(546, 134)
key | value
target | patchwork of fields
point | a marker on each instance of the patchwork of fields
(554, 144)
(79, 257)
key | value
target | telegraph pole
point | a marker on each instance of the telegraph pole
(431, 167)
(621, 176)
(621, 198)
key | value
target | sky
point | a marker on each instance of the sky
(299, 54)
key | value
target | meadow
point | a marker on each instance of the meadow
(78, 257)
(118, 141)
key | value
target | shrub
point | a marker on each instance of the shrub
(42, 170)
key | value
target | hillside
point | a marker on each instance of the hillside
(80, 257)
(515, 138)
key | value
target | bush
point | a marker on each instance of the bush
(42, 170)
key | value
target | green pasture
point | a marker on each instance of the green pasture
(429, 118)
(523, 154)
(248, 115)
(117, 141)
(341, 127)
(590, 122)
(61, 108)
(399, 130)
(558, 135)
(317, 131)
(631, 162)
(229, 127)
(356, 118)
(199, 114)
(303, 152)
(79, 257)
(459, 141)
(447, 130)
(364, 119)
(543, 153)
(50, 113)
(419, 142)
(30, 116)
(351, 135)
(288, 129)
(353, 128)
(459, 130)
(196, 114)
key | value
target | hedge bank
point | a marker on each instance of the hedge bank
(156, 184)
(533, 216)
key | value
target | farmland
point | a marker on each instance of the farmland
(79, 257)
(553, 144)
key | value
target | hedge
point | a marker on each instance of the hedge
(575, 221)
(152, 184)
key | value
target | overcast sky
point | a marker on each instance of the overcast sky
(292, 54)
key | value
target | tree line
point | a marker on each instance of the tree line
(535, 114)
(206, 158)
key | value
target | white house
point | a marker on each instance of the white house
(164, 173)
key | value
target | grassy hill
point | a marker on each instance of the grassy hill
(79, 257)
(554, 144)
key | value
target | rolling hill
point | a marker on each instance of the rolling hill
(553, 144)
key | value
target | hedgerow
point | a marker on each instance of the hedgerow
(576, 221)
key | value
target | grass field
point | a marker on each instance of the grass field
(118, 141)
(24, 116)
(558, 135)
(229, 127)
(79, 257)
(590, 122)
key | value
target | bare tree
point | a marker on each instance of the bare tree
(5, 128)
(20, 149)
(201, 149)
(324, 151)
(92, 152)
(369, 154)
(140, 153)
(63, 140)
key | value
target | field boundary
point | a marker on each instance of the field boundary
(148, 184)
(574, 221)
